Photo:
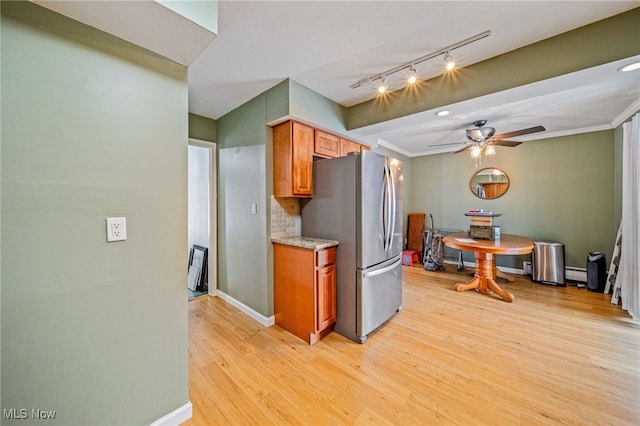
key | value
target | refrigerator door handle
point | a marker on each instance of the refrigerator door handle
(392, 213)
(382, 270)
(388, 231)
(385, 209)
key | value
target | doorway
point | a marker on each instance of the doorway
(202, 220)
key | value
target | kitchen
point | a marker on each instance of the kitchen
(353, 199)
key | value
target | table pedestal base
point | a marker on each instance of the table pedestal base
(485, 276)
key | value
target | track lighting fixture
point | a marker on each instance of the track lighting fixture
(412, 76)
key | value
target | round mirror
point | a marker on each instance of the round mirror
(489, 183)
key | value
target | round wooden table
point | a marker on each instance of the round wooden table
(485, 251)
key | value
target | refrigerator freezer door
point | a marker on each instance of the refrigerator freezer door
(379, 296)
(372, 200)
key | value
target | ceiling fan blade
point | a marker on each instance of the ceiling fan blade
(520, 132)
(462, 149)
(446, 144)
(503, 142)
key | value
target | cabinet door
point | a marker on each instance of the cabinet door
(326, 145)
(347, 146)
(326, 296)
(302, 173)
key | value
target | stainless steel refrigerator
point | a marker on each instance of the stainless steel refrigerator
(358, 201)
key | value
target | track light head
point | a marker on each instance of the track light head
(412, 75)
(449, 62)
(382, 86)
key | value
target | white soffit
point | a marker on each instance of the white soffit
(147, 24)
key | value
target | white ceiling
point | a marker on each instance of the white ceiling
(328, 46)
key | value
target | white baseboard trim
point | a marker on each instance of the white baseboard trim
(176, 417)
(266, 321)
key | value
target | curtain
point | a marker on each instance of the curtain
(629, 268)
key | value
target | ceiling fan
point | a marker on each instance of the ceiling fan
(483, 139)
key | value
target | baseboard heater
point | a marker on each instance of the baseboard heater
(575, 274)
(570, 273)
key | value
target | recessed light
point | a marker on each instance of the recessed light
(631, 67)
(442, 113)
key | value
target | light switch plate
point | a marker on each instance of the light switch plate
(116, 229)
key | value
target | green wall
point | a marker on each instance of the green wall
(307, 105)
(92, 127)
(202, 128)
(244, 149)
(561, 189)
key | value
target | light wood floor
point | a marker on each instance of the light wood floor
(554, 356)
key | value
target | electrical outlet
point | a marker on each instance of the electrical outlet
(116, 229)
(254, 208)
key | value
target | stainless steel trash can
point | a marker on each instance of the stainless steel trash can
(547, 263)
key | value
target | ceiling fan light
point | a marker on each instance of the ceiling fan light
(474, 135)
(476, 151)
(487, 132)
(480, 134)
(490, 149)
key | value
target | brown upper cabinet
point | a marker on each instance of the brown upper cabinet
(293, 160)
(294, 147)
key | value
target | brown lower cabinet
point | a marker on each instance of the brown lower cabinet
(305, 290)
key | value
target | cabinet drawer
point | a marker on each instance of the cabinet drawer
(347, 146)
(326, 257)
(326, 145)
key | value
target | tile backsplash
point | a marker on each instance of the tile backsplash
(286, 219)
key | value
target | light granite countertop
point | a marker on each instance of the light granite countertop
(306, 242)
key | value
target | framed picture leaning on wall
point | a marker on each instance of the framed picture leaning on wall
(198, 260)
